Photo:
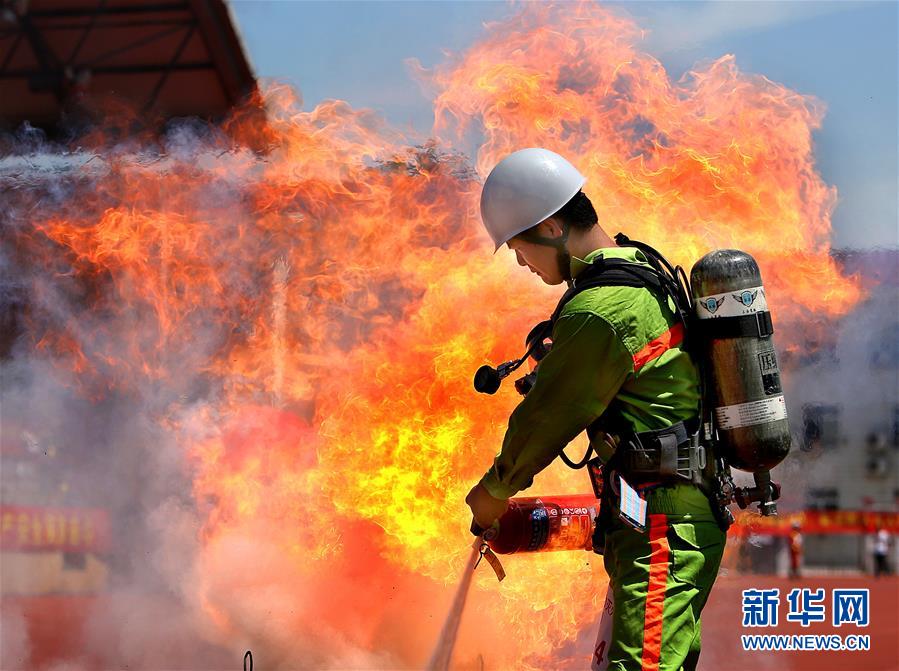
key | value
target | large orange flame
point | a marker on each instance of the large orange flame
(717, 159)
(314, 315)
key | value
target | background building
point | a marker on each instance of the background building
(843, 400)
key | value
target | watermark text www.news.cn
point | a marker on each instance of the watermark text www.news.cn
(806, 606)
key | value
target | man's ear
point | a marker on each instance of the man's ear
(550, 228)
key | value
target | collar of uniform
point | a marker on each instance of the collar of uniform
(628, 253)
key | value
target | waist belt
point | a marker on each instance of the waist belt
(667, 456)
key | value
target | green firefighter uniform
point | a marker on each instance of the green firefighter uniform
(617, 355)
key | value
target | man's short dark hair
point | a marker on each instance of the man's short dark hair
(578, 212)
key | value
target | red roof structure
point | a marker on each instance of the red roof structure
(168, 57)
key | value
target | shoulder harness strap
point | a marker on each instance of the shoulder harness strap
(619, 273)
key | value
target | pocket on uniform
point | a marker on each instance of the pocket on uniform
(696, 549)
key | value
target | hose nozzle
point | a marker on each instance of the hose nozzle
(487, 378)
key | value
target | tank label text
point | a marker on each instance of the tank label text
(752, 413)
(770, 372)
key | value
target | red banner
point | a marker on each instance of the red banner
(53, 529)
(818, 522)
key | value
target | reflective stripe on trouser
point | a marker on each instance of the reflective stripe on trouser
(660, 580)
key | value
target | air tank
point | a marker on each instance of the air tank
(736, 344)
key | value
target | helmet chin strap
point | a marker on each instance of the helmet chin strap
(563, 258)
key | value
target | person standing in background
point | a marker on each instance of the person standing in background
(796, 550)
(881, 549)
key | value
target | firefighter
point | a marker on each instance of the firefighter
(617, 368)
(881, 550)
(795, 541)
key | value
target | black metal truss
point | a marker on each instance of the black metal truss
(59, 74)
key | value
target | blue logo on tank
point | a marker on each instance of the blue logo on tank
(747, 297)
(712, 304)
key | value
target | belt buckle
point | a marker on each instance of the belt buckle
(698, 462)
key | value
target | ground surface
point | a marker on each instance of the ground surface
(57, 626)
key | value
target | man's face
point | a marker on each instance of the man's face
(541, 259)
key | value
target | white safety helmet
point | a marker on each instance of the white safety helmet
(525, 188)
